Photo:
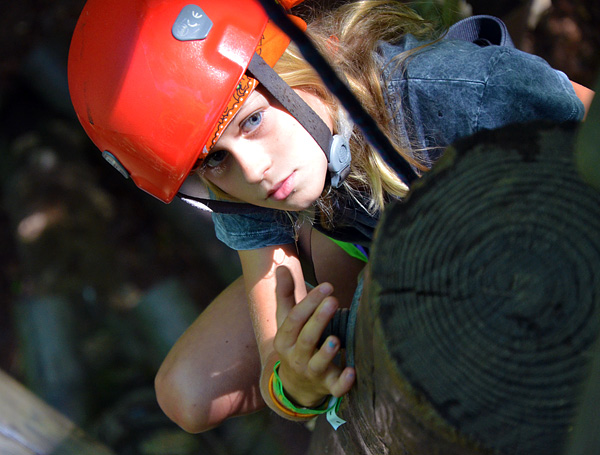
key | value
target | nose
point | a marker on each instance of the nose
(253, 163)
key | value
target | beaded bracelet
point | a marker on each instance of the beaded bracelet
(284, 404)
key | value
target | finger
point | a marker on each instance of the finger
(323, 358)
(300, 313)
(342, 384)
(310, 334)
(284, 292)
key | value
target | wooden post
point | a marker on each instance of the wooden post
(481, 306)
(28, 426)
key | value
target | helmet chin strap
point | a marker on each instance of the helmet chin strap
(336, 148)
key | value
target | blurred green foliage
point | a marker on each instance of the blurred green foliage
(443, 12)
(587, 151)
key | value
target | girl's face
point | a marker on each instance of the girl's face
(266, 158)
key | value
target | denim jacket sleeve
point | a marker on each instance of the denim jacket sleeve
(452, 89)
(523, 87)
(250, 231)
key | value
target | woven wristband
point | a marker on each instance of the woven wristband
(284, 404)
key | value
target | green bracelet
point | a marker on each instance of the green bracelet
(278, 389)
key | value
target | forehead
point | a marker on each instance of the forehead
(256, 99)
(260, 95)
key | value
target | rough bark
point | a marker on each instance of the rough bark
(481, 305)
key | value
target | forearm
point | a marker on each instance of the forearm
(288, 323)
(585, 95)
(260, 283)
(269, 358)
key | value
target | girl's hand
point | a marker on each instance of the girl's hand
(307, 371)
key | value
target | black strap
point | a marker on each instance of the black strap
(332, 81)
(295, 105)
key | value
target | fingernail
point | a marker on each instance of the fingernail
(330, 305)
(332, 344)
(325, 288)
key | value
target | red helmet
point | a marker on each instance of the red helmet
(153, 82)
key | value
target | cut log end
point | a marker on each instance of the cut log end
(489, 289)
(481, 305)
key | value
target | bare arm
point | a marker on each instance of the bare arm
(308, 371)
(288, 323)
(259, 268)
(584, 94)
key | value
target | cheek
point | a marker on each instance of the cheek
(221, 179)
(212, 177)
(317, 174)
(314, 161)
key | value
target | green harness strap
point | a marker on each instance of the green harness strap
(351, 249)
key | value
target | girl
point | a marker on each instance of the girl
(165, 88)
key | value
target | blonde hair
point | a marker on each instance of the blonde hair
(348, 37)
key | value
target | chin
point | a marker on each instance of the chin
(307, 202)
(298, 206)
(295, 207)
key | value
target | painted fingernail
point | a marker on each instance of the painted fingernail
(332, 344)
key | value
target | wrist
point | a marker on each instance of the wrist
(265, 378)
(318, 403)
(297, 393)
(285, 405)
(267, 391)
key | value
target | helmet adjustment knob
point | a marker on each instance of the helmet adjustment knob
(339, 160)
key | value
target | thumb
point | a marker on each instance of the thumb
(284, 291)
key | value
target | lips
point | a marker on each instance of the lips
(283, 189)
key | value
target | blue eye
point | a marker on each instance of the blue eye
(215, 158)
(252, 122)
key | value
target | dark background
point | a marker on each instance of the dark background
(98, 279)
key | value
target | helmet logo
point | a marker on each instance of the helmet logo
(191, 24)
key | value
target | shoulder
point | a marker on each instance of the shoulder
(441, 60)
(448, 60)
(435, 89)
(523, 87)
(455, 88)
